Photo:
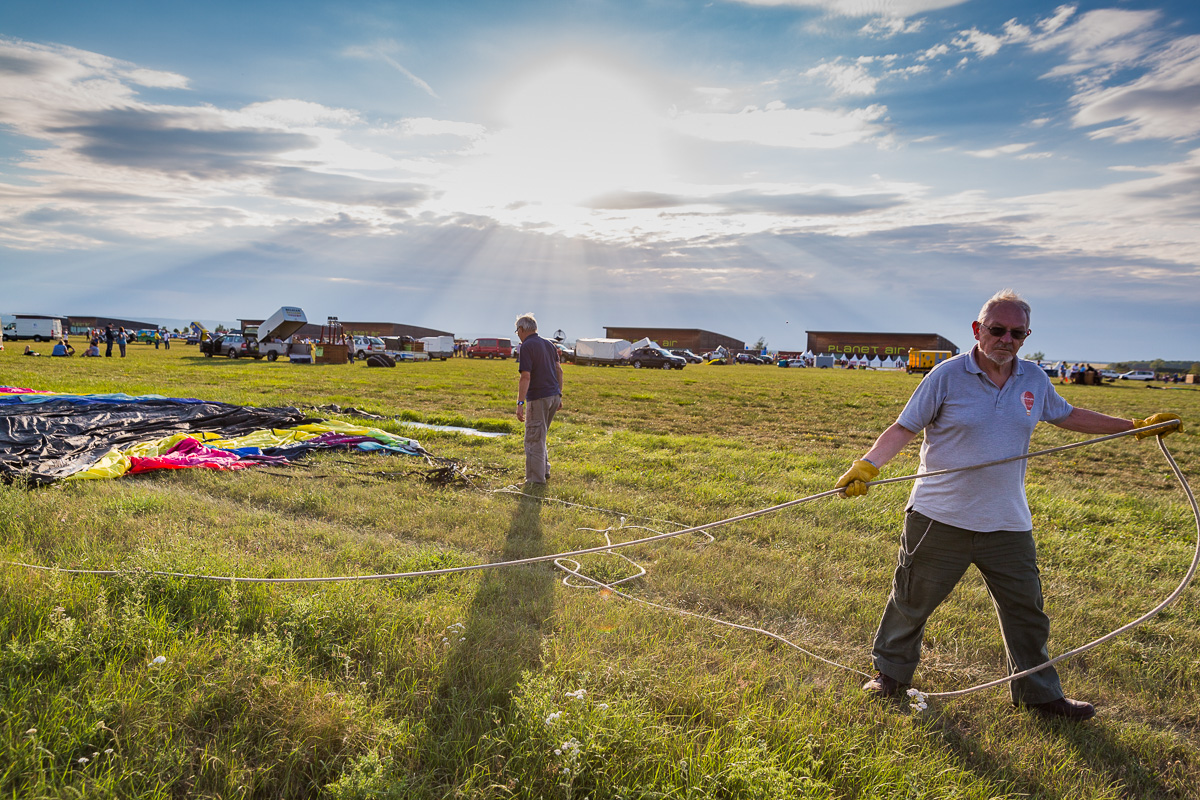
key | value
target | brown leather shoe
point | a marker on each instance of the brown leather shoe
(1063, 708)
(882, 686)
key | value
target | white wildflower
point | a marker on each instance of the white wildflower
(82, 760)
(108, 751)
(554, 715)
(31, 732)
(157, 660)
(558, 752)
(602, 705)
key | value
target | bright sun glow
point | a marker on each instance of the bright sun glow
(574, 130)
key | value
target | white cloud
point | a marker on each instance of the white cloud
(983, 44)
(1061, 15)
(1004, 150)
(934, 52)
(294, 113)
(1164, 103)
(1101, 40)
(424, 126)
(887, 27)
(845, 79)
(893, 9)
(779, 126)
(156, 79)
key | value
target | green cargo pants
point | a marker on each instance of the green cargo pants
(933, 557)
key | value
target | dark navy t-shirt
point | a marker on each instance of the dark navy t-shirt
(540, 359)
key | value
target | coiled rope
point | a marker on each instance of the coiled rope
(560, 559)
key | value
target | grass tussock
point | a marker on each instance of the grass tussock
(507, 683)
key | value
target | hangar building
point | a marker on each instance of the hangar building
(694, 339)
(876, 345)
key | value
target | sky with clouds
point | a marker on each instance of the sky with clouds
(757, 168)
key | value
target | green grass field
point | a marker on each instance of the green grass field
(507, 683)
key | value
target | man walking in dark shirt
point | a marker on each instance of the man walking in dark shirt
(539, 396)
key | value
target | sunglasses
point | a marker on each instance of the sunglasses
(999, 330)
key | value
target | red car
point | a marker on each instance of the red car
(489, 348)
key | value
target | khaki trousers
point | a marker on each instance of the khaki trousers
(538, 416)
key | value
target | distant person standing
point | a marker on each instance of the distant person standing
(122, 340)
(166, 337)
(109, 338)
(539, 396)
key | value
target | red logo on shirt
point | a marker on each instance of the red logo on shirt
(1027, 399)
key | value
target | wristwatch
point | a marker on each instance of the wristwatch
(520, 402)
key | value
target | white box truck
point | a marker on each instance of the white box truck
(40, 329)
(272, 336)
(439, 346)
(602, 352)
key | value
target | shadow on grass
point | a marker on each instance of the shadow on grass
(1093, 743)
(501, 639)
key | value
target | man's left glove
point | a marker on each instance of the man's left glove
(1155, 420)
(854, 482)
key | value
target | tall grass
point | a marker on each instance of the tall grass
(507, 683)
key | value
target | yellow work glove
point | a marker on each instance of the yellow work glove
(1155, 420)
(854, 482)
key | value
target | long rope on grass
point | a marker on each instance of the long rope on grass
(609, 546)
(1171, 598)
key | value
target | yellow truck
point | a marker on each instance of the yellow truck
(921, 361)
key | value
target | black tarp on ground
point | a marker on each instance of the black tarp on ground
(46, 442)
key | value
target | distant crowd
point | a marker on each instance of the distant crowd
(110, 337)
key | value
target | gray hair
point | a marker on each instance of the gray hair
(1001, 298)
(527, 323)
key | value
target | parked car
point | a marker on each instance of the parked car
(230, 345)
(1109, 374)
(688, 356)
(565, 354)
(751, 358)
(792, 362)
(1138, 375)
(655, 357)
(366, 345)
(489, 348)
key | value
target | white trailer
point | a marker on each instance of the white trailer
(602, 352)
(40, 329)
(439, 346)
(274, 334)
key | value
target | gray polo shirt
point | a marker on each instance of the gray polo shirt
(967, 420)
